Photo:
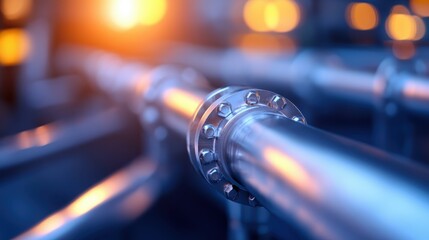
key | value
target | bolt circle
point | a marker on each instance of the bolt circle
(252, 98)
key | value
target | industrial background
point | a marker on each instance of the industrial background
(214, 119)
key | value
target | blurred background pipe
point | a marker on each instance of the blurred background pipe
(118, 199)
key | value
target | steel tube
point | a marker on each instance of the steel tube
(33, 146)
(337, 188)
(309, 74)
(119, 198)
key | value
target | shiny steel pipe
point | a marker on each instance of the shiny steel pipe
(34, 146)
(261, 152)
(310, 75)
(119, 198)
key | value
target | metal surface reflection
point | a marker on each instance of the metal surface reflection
(120, 197)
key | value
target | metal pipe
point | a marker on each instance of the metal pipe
(309, 74)
(33, 146)
(119, 198)
(262, 151)
(253, 146)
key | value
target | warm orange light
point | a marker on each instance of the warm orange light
(271, 15)
(362, 16)
(265, 43)
(43, 135)
(182, 102)
(400, 25)
(420, 28)
(151, 11)
(14, 46)
(420, 7)
(38, 137)
(49, 224)
(126, 14)
(96, 195)
(15, 9)
(292, 172)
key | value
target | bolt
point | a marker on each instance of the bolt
(278, 102)
(207, 156)
(298, 119)
(252, 201)
(214, 175)
(224, 110)
(252, 98)
(230, 192)
(209, 131)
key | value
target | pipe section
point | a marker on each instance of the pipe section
(261, 152)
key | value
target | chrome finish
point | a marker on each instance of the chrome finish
(221, 109)
(335, 187)
(119, 198)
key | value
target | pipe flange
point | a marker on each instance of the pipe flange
(206, 135)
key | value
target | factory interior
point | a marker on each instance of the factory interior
(214, 119)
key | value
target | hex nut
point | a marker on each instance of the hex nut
(277, 102)
(207, 156)
(209, 131)
(252, 98)
(214, 175)
(230, 191)
(224, 110)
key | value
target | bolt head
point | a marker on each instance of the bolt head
(207, 156)
(224, 110)
(230, 192)
(252, 98)
(209, 131)
(252, 201)
(214, 175)
(278, 102)
(298, 119)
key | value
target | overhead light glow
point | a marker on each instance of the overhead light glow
(126, 14)
(271, 15)
(420, 7)
(362, 16)
(14, 46)
(15, 9)
(401, 25)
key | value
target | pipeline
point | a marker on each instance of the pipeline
(255, 148)
(310, 75)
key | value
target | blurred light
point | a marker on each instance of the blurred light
(126, 14)
(400, 25)
(271, 15)
(362, 16)
(292, 172)
(420, 7)
(152, 11)
(49, 224)
(38, 137)
(182, 102)
(16, 9)
(14, 46)
(420, 28)
(265, 43)
(404, 50)
(97, 195)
